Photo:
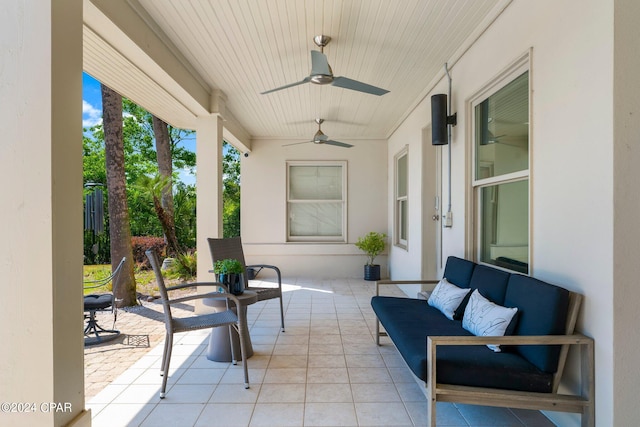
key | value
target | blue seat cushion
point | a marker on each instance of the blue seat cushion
(543, 311)
(97, 302)
(408, 322)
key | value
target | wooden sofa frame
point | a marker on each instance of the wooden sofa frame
(583, 404)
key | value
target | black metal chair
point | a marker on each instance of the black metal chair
(173, 325)
(232, 248)
(101, 302)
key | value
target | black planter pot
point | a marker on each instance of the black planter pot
(371, 272)
(235, 282)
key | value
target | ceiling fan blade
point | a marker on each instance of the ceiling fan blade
(338, 143)
(319, 64)
(305, 80)
(347, 83)
(297, 143)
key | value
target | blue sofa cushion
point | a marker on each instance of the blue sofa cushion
(490, 282)
(408, 322)
(458, 271)
(478, 366)
(543, 311)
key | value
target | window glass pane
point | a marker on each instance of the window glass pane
(402, 176)
(315, 182)
(504, 225)
(402, 213)
(315, 219)
(502, 130)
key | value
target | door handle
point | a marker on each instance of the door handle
(435, 217)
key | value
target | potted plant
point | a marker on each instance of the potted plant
(230, 273)
(372, 244)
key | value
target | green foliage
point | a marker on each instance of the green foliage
(231, 191)
(140, 165)
(227, 266)
(185, 266)
(372, 244)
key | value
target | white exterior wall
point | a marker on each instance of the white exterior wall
(264, 207)
(571, 151)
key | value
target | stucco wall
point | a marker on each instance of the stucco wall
(571, 154)
(264, 206)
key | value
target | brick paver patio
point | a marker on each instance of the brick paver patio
(141, 328)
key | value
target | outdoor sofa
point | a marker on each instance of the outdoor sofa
(458, 366)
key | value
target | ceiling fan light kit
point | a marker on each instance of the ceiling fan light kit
(321, 73)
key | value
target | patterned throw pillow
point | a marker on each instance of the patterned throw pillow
(446, 297)
(484, 318)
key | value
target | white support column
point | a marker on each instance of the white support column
(41, 217)
(209, 189)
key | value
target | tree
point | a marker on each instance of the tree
(119, 230)
(230, 191)
(165, 211)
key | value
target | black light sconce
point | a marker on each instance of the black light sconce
(440, 120)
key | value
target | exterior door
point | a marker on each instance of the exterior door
(432, 263)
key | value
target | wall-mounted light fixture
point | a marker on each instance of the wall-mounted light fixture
(441, 119)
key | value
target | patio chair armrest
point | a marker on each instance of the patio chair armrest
(273, 267)
(192, 284)
(403, 282)
(207, 295)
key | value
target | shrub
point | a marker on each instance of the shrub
(141, 244)
(185, 266)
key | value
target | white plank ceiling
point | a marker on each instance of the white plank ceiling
(244, 47)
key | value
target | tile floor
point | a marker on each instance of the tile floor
(325, 370)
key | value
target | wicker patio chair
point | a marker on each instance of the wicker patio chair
(101, 302)
(173, 325)
(232, 248)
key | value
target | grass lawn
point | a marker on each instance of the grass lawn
(145, 279)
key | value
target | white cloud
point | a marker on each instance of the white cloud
(91, 115)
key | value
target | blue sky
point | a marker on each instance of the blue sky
(92, 115)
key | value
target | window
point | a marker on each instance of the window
(401, 196)
(501, 173)
(316, 201)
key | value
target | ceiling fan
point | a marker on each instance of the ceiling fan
(321, 138)
(322, 74)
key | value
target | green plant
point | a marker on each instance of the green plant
(372, 244)
(227, 266)
(185, 266)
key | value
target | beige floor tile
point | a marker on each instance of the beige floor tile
(385, 392)
(122, 414)
(282, 393)
(389, 414)
(225, 415)
(329, 414)
(277, 415)
(329, 393)
(369, 375)
(286, 376)
(173, 415)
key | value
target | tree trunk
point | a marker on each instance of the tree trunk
(119, 228)
(163, 153)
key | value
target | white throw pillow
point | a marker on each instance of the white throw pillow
(446, 297)
(484, 318)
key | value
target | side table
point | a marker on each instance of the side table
(219, 341)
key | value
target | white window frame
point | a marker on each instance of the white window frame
(474, 238)
(342, 238)
(401, 201)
